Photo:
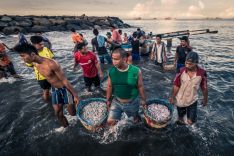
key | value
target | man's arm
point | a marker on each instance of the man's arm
(141, 89)
(108, 91)
(204, 89)
(176, 57)
(205, 96)
(93, 45)
(174, 93)
(99, 70)
(60, 74)
(152, 52)
(165, 54)
(176, 87)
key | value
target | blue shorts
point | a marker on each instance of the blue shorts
(117, 108)
(61, 96)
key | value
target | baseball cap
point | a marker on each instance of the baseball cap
(192, 57)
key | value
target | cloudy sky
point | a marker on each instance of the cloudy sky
(122, 8)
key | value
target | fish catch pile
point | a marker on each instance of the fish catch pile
(94, 112)
(159, 112)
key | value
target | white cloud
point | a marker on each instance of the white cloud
(192, 12)
(228, 13)
(201, 5)
(143, 9)
(169, 2)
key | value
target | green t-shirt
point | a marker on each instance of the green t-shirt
(124, 83)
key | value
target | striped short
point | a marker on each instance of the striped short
(61, 96)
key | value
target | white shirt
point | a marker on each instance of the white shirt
(159, 53)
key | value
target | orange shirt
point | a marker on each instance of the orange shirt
(76, 38)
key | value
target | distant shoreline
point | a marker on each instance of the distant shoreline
(34, 23)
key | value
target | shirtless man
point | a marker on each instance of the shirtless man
(53, 73)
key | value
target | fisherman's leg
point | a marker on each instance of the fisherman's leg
(58, 109)
(114, 113)
(192, 113)
(45, 85)
(88, 83)
(108, 58)
(69, 101)
(132, 109)
(181, 113)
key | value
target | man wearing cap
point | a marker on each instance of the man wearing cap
(181, 51)
(90, 65)
(185, 89)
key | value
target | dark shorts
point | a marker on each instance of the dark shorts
(93, 80)
(44, 84)
(61, 96)
(191, 112)
(136, 57)
(9, 68)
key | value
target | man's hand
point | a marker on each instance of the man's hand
(76, 100)
(108, 103)
(171, 99)
(204, 102)
(101, 76)
(143, 103)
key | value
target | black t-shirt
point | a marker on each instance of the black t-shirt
(135, 46)
(182, 53)
(100, 49)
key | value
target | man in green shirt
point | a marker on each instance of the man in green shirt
(125, 84)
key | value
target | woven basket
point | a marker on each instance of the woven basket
(86, 124)
(150, 121)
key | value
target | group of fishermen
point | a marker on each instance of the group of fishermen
(125, 89)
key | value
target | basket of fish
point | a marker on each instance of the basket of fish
(158, 113)
(92, 113)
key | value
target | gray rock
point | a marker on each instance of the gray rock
(105, 27)
(10, 30)
(86, 27)
(41, 21)
(3, 24)
(77, 27)
(57, 22)
(25, 23)
(13, 23)
(39, 28)
(6, 19)
(73, 21)
(57, 28)
(97, 27)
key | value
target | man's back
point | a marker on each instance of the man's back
(99, 44)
